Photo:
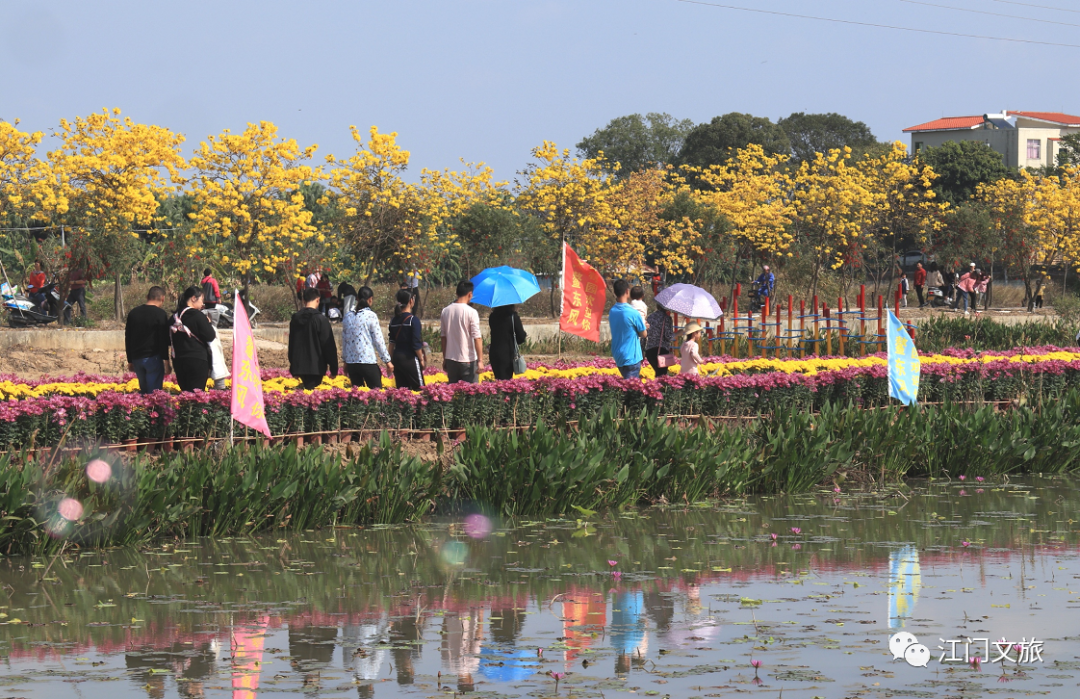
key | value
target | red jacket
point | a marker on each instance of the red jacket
(920, 277)
(36, 282)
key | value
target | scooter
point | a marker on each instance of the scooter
(935, 297)
(757, 299)
(222, 314)
(21, 312)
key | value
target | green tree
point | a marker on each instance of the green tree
(719, 140)
(1069, 153)
(962, 167)
(637, 142)
(819, 133)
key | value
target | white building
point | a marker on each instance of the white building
(1024, 139)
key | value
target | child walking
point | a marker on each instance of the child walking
(690, 356)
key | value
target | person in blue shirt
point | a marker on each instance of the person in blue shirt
(766, 282)
(627, 329)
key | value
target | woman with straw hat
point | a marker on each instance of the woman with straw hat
(690, 356)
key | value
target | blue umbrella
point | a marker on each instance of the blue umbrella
(513, 666)
(501, 286)
(690, 301)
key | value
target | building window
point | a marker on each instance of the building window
(918, 146)
(1034, 149)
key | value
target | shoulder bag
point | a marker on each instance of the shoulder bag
(520, 367)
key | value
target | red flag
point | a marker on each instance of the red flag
(583, 294)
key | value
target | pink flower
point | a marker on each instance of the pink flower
(965, 544)
(963, 477)
(963, 492)
(976, 663)
(755, 664)
(796, 530)
(796, 547)
(616, 575)
(980, 478)
(836, 489)
(773, 535)
(613, 563)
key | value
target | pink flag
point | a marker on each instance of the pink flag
(247, 396)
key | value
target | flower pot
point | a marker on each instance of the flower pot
(424, 436)
(130, 445)
(317, 439)
(167, 446)
(458, 435)
(299, 442)
(332, 438)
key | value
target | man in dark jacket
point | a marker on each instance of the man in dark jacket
(311, 343)
(146, 339)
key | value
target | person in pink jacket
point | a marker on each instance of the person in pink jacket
(690, 357)
(967, 288)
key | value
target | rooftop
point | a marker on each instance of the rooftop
(949, 124)
(1006, 119)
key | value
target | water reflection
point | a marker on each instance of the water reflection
(904, 583)
(382, 612)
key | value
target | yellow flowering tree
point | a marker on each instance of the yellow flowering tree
(250, 214)
(106, 179)
(903, 206)
(23, 177)
(1056, 215)
(390, 224)
(570, 198)
(831, 200)
(641, 232)
(752, 193)
(1012, 204)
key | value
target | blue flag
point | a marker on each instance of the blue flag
(904, 365)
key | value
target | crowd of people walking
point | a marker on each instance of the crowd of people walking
(188, 343)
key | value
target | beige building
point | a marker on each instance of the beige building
(1024, 139)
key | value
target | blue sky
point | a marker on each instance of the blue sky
(487, 80)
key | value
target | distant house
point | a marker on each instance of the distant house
(1024, 139)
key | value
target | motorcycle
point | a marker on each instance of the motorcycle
(757, 299)
(21, 312)
(222, 314)
(935, 297)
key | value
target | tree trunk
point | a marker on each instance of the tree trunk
(118, 299)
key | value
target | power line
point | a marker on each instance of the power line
(1041, 7)
(878, 26)
(992, 14)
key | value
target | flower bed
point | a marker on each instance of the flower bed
(41, 414)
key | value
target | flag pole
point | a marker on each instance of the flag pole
(232, 420)
(562, 300)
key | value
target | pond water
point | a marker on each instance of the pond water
(673, 601)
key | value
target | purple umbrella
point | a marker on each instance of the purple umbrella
(690, 301)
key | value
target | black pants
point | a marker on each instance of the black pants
(651, 355)
(191, 374)
(974, 296)
(76, 297)
(407, 371)
(310, 381)
(918, 292)
(364, 375)
(1038, 301)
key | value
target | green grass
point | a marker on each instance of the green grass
(608, 462)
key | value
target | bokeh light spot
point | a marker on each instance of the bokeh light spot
(477, 526)
(70, 509)
(455, 552)
(98, 471)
